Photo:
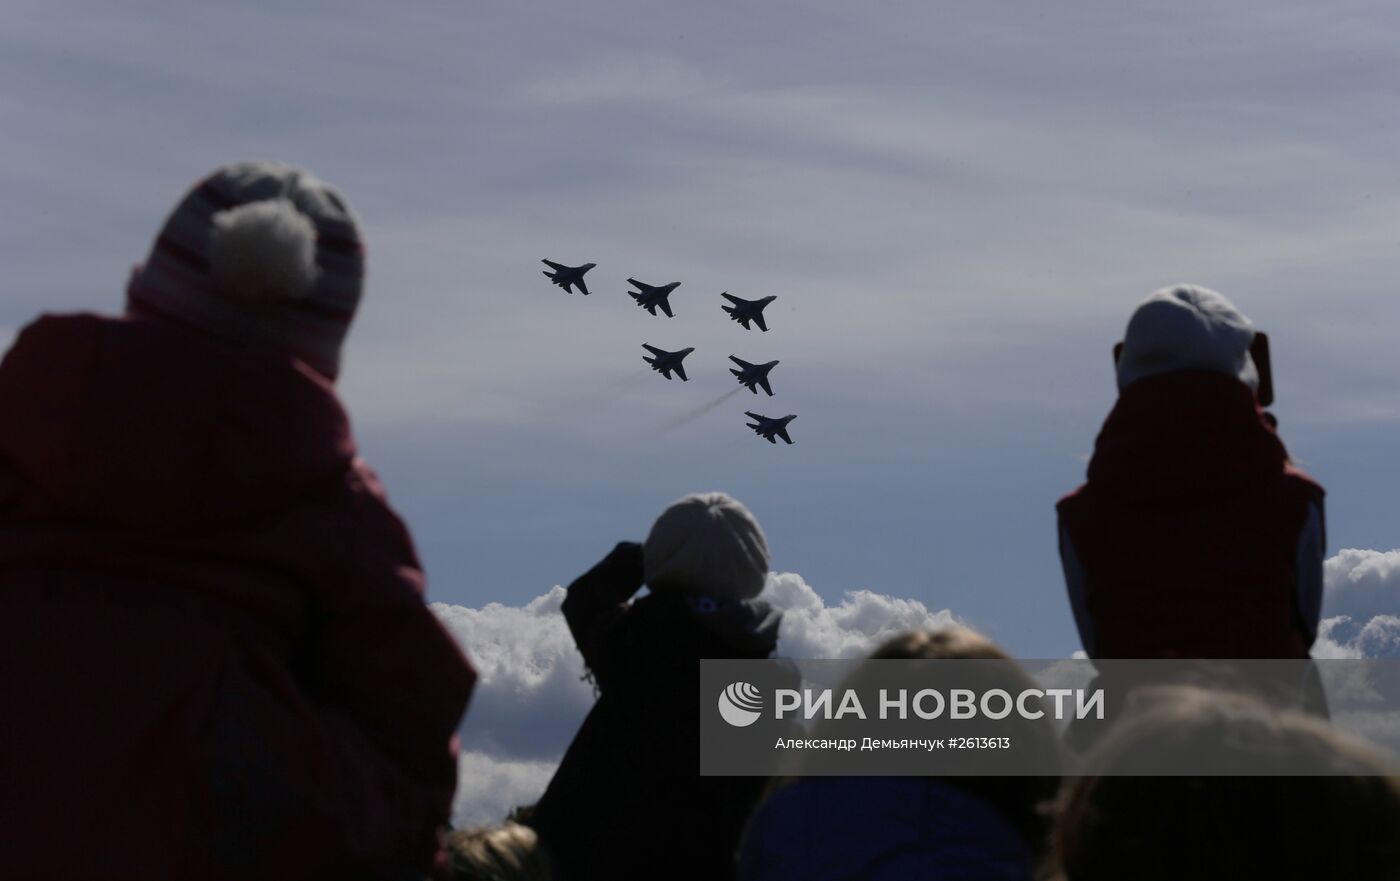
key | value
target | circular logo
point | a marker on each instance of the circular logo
(740, 704)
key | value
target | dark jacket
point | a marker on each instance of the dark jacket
(1194, 537)
(882, 829)
(215, 658)
(627, 801)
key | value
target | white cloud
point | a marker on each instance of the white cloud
(813, 629)
(489, 786)
(1363, 583)
(530, 693)
(531, 696)
(1361, 605)
(1346, 637)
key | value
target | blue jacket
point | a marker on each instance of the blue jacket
(881, 829)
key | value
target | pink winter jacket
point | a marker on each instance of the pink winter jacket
(215, 658)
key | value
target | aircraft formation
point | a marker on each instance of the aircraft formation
(653, 297)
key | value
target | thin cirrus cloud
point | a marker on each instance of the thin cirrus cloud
(957, 205)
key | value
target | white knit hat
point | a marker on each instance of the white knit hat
(707, 544)
(1187, 327)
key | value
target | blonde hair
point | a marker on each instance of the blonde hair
(954, 642)
(509, 852)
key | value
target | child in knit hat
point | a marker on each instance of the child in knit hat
(627, 800)
(1195, 536)
(215, 658)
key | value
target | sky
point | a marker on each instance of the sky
(957, 206)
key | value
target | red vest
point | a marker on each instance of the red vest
(1187, 530)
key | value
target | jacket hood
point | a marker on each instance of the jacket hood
(1190, 434)
(751, 626)
(678, 625)
(142, 422)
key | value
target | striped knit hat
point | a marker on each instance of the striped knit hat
(261, 254)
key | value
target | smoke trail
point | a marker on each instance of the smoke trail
(579, 405)
(695, 414)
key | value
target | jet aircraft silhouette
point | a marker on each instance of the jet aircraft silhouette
(650, 297)
(565, 276)
(664, 362)
(744, 311)
(766, 428)
(753, 375)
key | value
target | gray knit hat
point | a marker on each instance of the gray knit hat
(1187, 327)
(262, 254)
(706, 544)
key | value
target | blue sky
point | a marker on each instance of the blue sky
(957, 206)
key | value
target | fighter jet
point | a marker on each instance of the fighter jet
(651, 297)
(565, 276)
(665, 362)
(767, 428)
(753, 375)
(744, 311)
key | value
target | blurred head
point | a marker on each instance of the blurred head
(260, 254)
(509, 852)
(948, 643)
(706, 544)
(1338, 820)
(1024, 800)
(1187, 328)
